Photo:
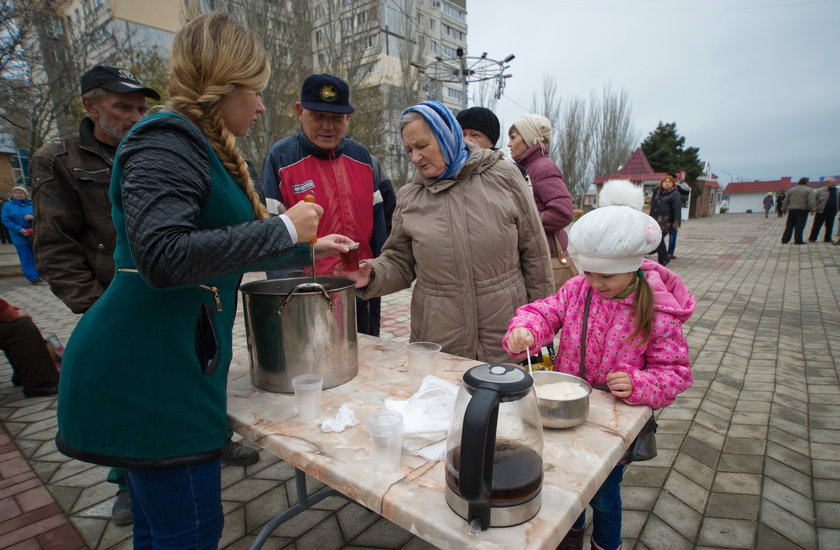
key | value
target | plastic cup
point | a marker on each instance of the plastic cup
(308, 395)
(350, 259)
(386, 436)
(422, 361)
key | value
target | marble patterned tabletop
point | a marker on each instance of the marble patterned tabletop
(576, 460)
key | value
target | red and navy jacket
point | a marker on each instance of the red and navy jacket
(343, 183)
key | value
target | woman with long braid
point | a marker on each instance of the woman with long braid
(144, 376)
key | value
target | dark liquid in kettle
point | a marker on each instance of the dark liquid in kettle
(517, 473)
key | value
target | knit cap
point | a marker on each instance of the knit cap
(481, 119)
(533, 129)
(20, 188)
(615, 237)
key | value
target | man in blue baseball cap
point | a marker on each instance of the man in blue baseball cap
(338, 172)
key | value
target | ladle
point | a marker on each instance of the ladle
(311, 198)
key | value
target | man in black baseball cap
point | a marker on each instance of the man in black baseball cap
(114, 80)
(338, 172)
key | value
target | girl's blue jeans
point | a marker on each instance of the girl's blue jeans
(177, 508)
(606, 511)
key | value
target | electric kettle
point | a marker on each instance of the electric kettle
(494, 466)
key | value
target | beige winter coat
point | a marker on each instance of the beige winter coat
(476, 248)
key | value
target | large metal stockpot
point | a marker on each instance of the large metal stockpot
(294, 326)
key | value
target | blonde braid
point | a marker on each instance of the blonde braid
(224, 143)
(211, 56)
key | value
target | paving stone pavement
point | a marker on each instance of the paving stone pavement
(749, 457)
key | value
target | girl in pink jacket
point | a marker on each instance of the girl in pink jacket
(624, 315)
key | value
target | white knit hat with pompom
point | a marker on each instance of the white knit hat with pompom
(615, 237)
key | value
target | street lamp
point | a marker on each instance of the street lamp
(463, 69)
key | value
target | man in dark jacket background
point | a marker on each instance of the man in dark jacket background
(320, 160)
(799, 202)
(74, 237)
(827, 201)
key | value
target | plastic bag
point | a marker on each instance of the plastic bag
(427, 416)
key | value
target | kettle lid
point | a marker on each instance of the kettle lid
(506, 379)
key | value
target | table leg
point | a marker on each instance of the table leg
(304, 501)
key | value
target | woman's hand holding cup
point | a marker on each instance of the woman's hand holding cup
(333, 245)
(305, 217)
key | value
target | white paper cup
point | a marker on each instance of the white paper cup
(386, 436)
(421, 361)
(308, 395)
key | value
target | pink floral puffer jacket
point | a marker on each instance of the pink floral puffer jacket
(659, 369)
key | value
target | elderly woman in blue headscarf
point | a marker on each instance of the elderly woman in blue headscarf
(467, 231)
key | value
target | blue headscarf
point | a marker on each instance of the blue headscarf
(448, 133)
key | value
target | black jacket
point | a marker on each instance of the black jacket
(665, 208)
(74, 236)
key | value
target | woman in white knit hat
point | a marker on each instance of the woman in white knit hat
(621, 327)
(529, 139)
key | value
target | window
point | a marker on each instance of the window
(454, 12)
(317, 13)
(454, 33)
(362, 18)
(454, 93)
(54, 27)
(319, 35)
(433, 45)
(421, 19)
(432, 24)
(449, 51)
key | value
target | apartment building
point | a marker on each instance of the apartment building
(378, 38)
(393, 51)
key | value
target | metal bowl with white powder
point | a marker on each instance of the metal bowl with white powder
(563, 398)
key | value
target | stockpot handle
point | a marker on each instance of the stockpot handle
(307, 288)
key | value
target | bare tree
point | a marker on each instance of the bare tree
(550, 105)
(484, 94)
(589, 139)
(571, 134)
(285, 31)
(11, 37)
(402, 23)
(347, 44)
(52, 51)
(574, 143)
(614, 134)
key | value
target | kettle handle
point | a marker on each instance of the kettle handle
(478, 443)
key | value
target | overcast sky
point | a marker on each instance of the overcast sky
(755, 84)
